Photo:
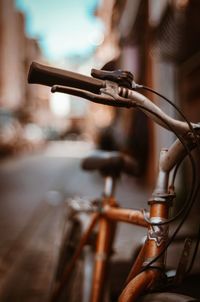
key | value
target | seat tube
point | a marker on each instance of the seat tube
(109, 187)
(106, 233)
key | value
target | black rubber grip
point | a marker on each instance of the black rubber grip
(49, 76)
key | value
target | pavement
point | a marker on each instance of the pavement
(33, 191)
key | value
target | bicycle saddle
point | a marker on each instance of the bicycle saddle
(110, 163)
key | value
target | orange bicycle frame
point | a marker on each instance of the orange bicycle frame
(145, 271)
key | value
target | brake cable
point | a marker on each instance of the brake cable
(188, 204)
(178, 165)
(177, 109)
(189, 199)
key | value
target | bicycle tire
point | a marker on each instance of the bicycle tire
(77, 288)
(167, 297)
(71, 237)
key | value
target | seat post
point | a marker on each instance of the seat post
(109, 187)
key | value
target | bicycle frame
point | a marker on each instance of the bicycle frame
(107, 217)
(144, 273)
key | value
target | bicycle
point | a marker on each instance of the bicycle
(117, 88)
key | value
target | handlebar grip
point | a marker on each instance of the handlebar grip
(49, 76)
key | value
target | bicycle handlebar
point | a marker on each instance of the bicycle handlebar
(111, 93)
(49, 76)
(102, 92)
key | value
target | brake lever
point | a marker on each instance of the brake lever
(108, 96)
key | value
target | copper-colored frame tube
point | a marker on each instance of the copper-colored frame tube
(136, 268)
(103, 251)
(137, 285)
(107, 220)
(110, 216)
(135, 217)
(150, 250)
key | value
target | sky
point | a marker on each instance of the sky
(64, 27)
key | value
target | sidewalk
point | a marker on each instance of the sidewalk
(32, 212)
(31, 224)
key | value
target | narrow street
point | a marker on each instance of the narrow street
(98, 52)
(33, 190)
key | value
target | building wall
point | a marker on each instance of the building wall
(1, 33)
(153, 39)
(17, 51)
(171, 65)
(11, 51)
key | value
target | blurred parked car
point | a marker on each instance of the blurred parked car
(15, 138)
(51, 134)
(9, 132)
(33, 136)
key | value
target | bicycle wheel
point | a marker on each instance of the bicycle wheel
(167, 297)
(77, 288)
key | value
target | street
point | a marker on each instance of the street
(33, 190)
